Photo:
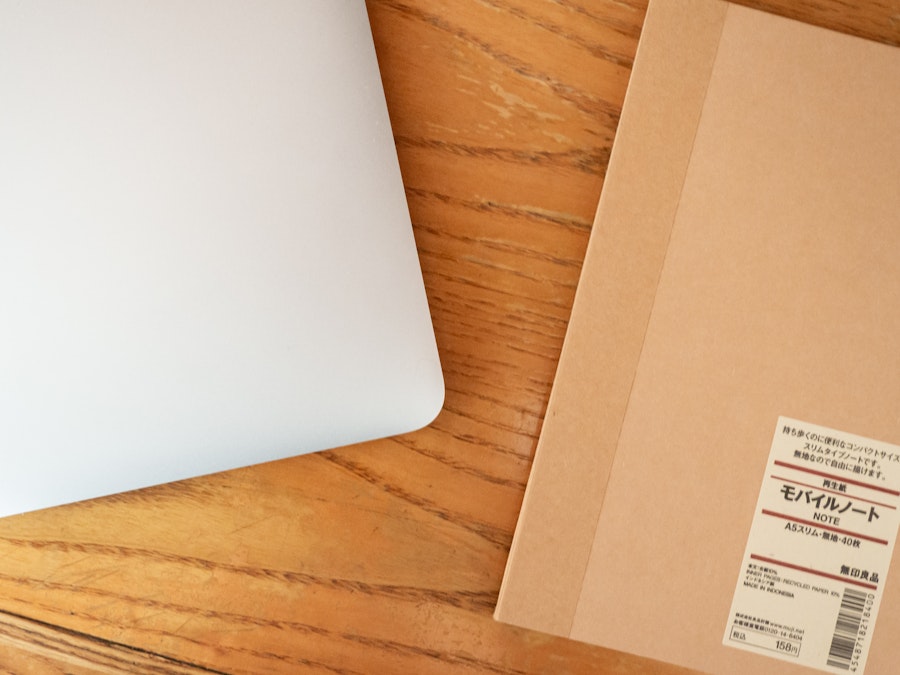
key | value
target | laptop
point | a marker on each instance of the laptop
(206, 257)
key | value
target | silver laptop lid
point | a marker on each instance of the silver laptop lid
(206, 258)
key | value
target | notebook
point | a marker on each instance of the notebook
(716, 480)
(206, 257)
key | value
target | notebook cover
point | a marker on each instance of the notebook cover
(743, 266)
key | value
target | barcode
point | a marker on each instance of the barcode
(847, 628)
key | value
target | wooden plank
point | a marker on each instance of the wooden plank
(32, 647)
(387, 557)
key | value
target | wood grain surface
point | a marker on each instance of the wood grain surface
(387, 557)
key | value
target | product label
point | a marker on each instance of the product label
(819, 549)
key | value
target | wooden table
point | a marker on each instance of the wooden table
(387, 557)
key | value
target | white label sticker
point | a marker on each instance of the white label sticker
(819, 549)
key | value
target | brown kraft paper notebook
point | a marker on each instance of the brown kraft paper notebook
(732, 363)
